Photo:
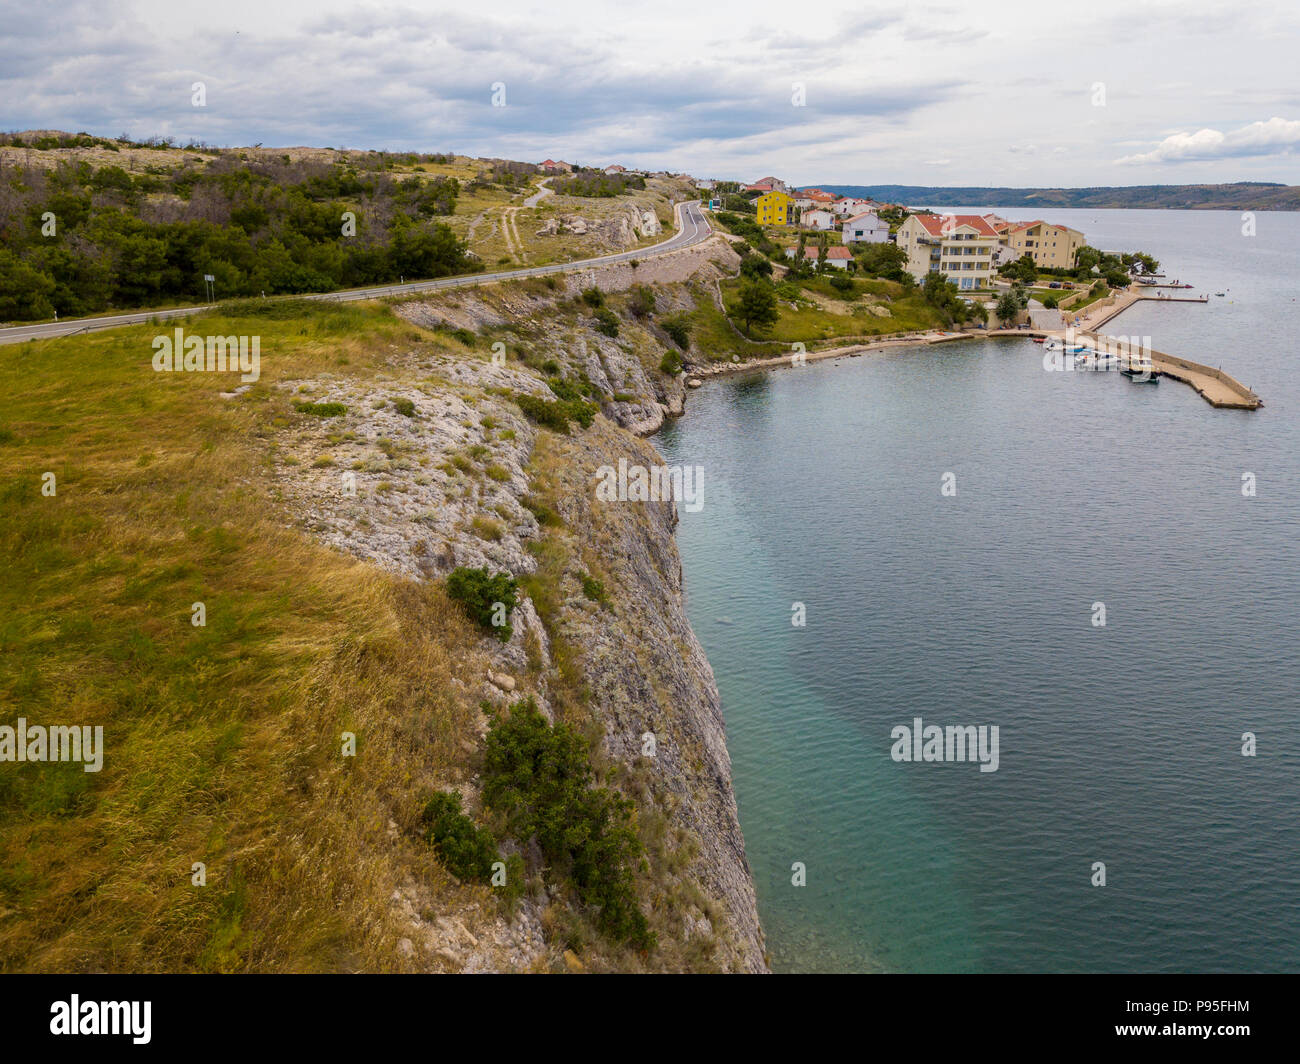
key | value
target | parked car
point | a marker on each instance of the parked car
(1055, 284)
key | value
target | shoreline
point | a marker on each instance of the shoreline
(1221, 390)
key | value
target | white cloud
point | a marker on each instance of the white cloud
(1277, 136)
(893, 90)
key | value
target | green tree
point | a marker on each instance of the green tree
(757, 305)
(1008, 308)
(25, 293)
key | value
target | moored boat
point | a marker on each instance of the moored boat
(1140, 370)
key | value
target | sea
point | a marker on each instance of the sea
(1104, 571)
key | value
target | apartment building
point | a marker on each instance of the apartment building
(1051, 246)
(958, 246)
(774, 208)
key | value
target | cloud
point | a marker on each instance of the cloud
(1277, 136)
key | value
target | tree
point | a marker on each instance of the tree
(757, 305)
(882, 260)
(1024, 269)
(754, 267)
(1008, 308)
(24, 292)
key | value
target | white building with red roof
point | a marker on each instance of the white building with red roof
(959, 247)
(847, 206)
(814, 199)
(768, 184)
(837, 255)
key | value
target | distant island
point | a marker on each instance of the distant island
(1237, 196)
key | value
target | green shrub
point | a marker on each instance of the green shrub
(606, 322)
(593, 297)
(544, 514)
(677, 331)
(321, 409)
(594, 589)
(539, 778)
(642, 301)
(465, 336)
(485, 598)
(671, 363)
(404, 407)
(465, 849)
(556, 416)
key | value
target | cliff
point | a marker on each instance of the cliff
(464, 479)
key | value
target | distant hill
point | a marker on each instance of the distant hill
(1238, 196)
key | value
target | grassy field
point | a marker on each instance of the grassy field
(223, 742)
(813, 311)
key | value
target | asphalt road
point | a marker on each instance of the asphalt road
(692, 228)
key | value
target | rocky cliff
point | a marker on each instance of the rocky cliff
(461, 478)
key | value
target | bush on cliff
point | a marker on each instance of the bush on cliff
(465, 849)
(607, 322)
(487, 599)
(539, 778)
(677, 330)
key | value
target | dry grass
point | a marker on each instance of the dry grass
(223, 742)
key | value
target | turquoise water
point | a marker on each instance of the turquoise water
(1119, 744)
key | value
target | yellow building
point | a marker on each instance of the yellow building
(1049, 245)
(774, 208)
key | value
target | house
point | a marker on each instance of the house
(837, 255)
(1051, 246)
(768, 184)
(817, 218)
(957, 246)
(865, 228)
(552, 166)
(774, 208)
(847, 206)
(807, 199)
(706, 186)
(615, 169)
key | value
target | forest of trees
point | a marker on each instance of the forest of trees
(78, 239)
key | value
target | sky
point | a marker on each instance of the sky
(1003, 92)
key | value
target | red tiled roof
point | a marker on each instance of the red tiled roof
(837, 251)
(864, 214)
(934, 223)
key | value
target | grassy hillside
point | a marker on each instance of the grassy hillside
(223, 741)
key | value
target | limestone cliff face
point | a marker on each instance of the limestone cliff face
(443, 470)
(649, 676)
